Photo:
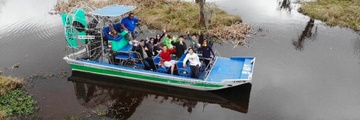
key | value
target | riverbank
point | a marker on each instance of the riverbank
(14, 101)
(177, 16)
(344, 13)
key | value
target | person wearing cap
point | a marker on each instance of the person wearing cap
(194, 63)
(129, 24)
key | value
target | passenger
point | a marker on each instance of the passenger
(113, 33)
(165, 58)
(209, 41)
(158, 42)
(205, 50)
(117, 27)
(145, 55)
(159, 37)
(180, 47)
(129, 24)
(152, 46)
(167, 41)
(194, 63)
(111, 25)
(193, 41)
(134, 42)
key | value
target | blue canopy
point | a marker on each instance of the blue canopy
(113, 10)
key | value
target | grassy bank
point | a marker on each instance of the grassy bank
(177, 16)
(14, 101)
(345, 13)
(182, 16)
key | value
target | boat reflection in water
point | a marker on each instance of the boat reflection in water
(285, 5)
(120, 98)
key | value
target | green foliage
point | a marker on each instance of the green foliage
(344, 13)
(17, 103)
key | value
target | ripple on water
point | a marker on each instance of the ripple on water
(35, 29)
(47, 31)
(18, 29)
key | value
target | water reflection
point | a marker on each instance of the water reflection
(119, 99)
(306, 33)
(357, 47)
(285, 5)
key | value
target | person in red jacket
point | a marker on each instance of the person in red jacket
(165, 56)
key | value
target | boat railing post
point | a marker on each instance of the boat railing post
(102, 41)
(73, 52)
(87, 47)
(217, 53)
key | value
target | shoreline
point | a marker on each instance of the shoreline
(334, 12)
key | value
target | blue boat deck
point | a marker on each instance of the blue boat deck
(234, 68)
(229, 68)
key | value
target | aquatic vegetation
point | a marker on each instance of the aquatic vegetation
(14, 101)
(175, 16)
(17, 102)
(344, 13)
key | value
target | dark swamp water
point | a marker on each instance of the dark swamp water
(304, 70)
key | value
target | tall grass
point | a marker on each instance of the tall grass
(345, 13)
(182, 17)
(176, 16)
(2, 114)
(8, 83)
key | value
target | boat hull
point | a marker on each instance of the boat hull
(145, 76)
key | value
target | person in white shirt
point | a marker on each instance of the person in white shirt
(194, 63)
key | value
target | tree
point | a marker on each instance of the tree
(202, 15)
(202, 23)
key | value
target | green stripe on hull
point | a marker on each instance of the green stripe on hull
(137, 76)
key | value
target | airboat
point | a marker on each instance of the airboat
(93, 50)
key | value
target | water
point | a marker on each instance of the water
(304, 69)
(123, 98)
